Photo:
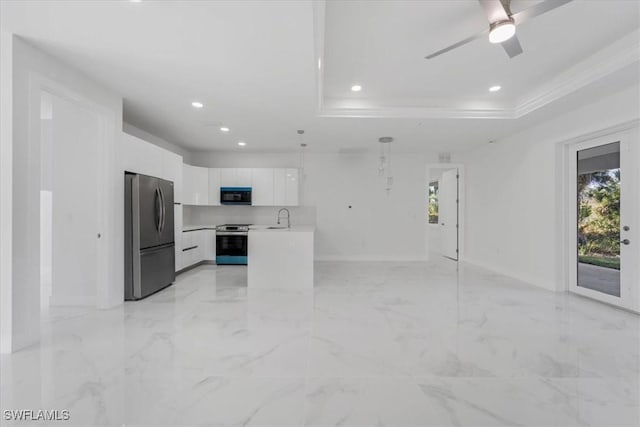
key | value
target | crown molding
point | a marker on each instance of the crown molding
(617, 56)
(417, 112)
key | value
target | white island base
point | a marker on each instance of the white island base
(280, 258)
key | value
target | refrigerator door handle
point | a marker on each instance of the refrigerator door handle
(162, 210)
(158, 209)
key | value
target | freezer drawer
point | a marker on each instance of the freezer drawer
(157, 271)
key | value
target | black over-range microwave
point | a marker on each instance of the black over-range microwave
(235, 195)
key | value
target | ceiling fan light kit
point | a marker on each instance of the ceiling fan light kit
(502, 25)
(502, 31)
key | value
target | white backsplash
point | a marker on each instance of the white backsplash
(215, 215)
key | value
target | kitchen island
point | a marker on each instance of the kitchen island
(280, 258)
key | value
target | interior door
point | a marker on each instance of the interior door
(606, 221)
(75, 139)
(448, 213)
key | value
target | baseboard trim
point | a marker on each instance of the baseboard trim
(369, 259)
(192, 266)
(75, 301)
(520, 277)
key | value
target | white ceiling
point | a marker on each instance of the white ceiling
(254, 66)
(382, 45)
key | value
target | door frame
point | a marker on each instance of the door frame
(37, 85)
(461, 205)
(626, 133)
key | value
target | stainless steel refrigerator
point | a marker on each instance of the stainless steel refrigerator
(149, 261)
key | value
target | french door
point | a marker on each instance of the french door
(604, 219)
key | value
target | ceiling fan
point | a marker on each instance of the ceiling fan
(502, 24)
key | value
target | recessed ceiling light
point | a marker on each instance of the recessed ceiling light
(224, 129)
(197, 104)
(502, 31)
(242, 143)
(356, 88)
(135, 1)
(495, 88)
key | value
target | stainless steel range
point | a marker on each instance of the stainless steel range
(231, 244)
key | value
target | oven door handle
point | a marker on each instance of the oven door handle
(231, 233)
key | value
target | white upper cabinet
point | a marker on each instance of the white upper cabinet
(286, 187)
(227, 177)
(243, 177)
(140, 156)
(279, 187)
(235, 177)
(196, 185)
(214, 186)
(292, 178)
(270, 187)
(172, 171)
(262, 183)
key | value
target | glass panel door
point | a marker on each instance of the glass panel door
(604, 220)
(598, 193)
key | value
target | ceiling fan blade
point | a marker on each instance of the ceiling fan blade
(512, 47)
(538, 10)
(496, 10)
(456, 45)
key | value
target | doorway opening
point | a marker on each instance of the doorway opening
(444, 207)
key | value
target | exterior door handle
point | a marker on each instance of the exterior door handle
(625, 241)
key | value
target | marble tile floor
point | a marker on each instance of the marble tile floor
(374, 344)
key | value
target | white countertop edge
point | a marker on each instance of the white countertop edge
(198, 227)
(293, 229)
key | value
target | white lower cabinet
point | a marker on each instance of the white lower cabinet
(198, 246)
(209, 237)
(177, 236)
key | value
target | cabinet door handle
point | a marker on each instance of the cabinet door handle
(625, 241)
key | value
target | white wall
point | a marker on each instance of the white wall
(216, 215)
(6, 190)
(513, 192)
(149, 137)
(377, 226)
(20, 317)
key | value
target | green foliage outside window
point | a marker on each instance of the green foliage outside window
(433, 202)
(599, 217)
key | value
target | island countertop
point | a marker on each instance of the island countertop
(280, 228)
(280, 258)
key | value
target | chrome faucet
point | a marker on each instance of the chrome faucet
(288, 217)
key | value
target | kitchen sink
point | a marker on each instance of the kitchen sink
(275, 228)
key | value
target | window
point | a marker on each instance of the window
(433, 202)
